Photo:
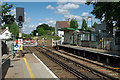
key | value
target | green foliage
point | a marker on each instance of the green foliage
(108, 10)
(94, 25)
(43, 29)
(74, 24)
(84, 25)
(40, 31)
(44, 26)
(34, 32)
(7, 18)
(13, 28)
(50, 37)
(27, 35)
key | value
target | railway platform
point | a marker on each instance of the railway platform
(116, 53)
(28, 67)
(100, 55)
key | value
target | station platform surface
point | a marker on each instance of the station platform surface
(28, 67)
(114, 53)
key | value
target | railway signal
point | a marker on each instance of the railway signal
(20, 20)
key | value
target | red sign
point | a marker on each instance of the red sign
(20, 41)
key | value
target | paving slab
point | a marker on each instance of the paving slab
(24, 67)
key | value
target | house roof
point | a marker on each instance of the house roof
(63, 24)
(4, 30)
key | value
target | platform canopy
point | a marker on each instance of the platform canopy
(67, 29)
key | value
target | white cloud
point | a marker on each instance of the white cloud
(40, 23)
(69, 6)
(63, 8)
(28, 28)
(13, 11)
(62, 11)
(50, 7)
(27, 20)
(85, 14)
(78, 18)
(50, 21)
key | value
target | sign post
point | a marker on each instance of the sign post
(20, 20)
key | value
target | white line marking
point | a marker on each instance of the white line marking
(46, 67)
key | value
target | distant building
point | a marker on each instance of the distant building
(104, 30)
(5, 34)
(60, 25)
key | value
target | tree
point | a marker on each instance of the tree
(34, 32)
(13, 29)
(9, 19)
(107, 11)
(6, 17)
(94, 25)
(44, 26)
(41, 31)
(84, 25)
(74, 24)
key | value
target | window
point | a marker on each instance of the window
(6, 34)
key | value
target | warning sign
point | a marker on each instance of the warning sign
(20, 41)
(20, 47)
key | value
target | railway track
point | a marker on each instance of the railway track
(75, 68)
(60, 72)
(82, 69)
(92, 67)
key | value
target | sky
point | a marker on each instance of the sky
(37, 13)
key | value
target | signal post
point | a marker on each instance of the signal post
(20, 20)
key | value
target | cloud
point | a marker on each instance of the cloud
(28, 28)
(50, 21)
(13, 11)
(78, 18)
(68, 6)
(63, 8)
(85, 14)
(27, 20)
(40, 23)
(50, 7)
(62, 11)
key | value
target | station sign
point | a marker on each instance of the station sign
(20, 46)
(20, 41)
(16, 47)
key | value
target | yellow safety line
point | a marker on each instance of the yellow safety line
(116, 68)
(29, 70)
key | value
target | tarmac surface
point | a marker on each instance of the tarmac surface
(28, 67)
